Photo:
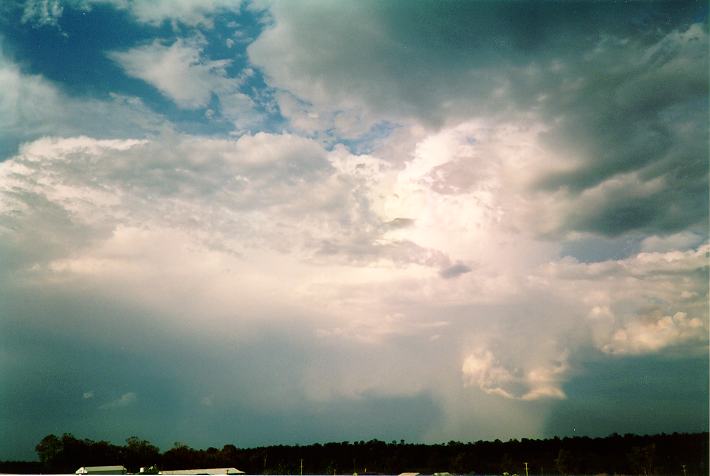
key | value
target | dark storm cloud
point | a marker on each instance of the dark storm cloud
(641, 110)
(166, 384)
(664, 212)
(454, 271)
(399, 223)
(425, 54)
(85, 350)
(665, 393)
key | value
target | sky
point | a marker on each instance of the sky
(270, 222)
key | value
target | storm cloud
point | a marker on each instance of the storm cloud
(429, 221)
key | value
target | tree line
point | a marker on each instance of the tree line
(684, 454)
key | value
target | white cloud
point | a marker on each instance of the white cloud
(25, 100)
(124, 400)
(226, 241)
(650, 334)
(239, 108)
(370, 331)
(178, 71)
(615, 141)
(189, 12)
(31, 106)
(42, 12)
(263, 192)
(482, 369)
(646, 303)
(182, 73)
(193, 13)
(676, 241)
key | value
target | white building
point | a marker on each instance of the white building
(204, 471)
(101, 470)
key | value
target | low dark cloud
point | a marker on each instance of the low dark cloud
(399, 223)
(454, 271)
(666, 394)
(428, 54)
(169, 385)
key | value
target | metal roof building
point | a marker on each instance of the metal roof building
(101, 470)
(204, 471)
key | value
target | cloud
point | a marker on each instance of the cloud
(32, 106)
(413, 77)
(189, 12)
(273, 244)
(192, 13)
(460, 213)
(454, 271)
(652, 334)
(677, 241)
(182, 73)
(399, 223)
(482, 369)
(629, 144)
(646, 303)
(42, 12)
(216, 210)
(178, 71)
(369, 331)
(635, 163)
(124, 400)
(219, 186)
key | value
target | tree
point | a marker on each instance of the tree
(641, 459)
(139, 453)
(564, 461)
(48, 450)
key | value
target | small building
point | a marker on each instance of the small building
(101, 470)
(203, 471)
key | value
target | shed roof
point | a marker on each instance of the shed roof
(204, 471)
(102, 470)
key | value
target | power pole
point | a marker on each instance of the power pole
(526, 468)
(301, 467)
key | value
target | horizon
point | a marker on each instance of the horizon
(251, 221)
(649, 454)
(392, 442)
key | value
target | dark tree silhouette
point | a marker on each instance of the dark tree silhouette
(615, 454)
